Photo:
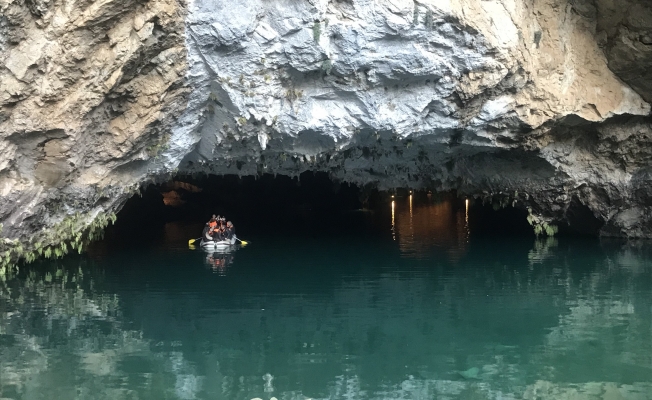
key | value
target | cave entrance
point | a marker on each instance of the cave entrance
(254, 203)
(313, 205)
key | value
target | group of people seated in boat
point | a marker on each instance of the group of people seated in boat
(218, 229)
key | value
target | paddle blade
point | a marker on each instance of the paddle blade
(244, 243)
(191, 241)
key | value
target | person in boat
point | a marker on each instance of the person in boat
(219, 233)
(230, 230)
(207, 233)
(212, 227)
(213, 222)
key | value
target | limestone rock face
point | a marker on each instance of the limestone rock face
(87, 91)
(538, 103)
(509, 99)
(624, 31)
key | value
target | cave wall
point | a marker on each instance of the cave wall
(514, 99)
(88, 90)
(624, 32)
(541, 102)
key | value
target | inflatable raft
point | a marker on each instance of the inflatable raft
(220, 244)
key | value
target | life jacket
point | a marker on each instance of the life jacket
(212, 224)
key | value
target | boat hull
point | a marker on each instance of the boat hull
(219, 244)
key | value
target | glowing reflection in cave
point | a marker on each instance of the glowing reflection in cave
(411, 215)
(422, 225)
(393, 225)
(466, 219)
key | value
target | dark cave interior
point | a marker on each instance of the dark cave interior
(312, 202)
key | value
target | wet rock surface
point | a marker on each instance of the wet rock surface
(87, 90)
(540, 104)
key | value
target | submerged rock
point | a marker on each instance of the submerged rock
(471, 373)
(543, 105)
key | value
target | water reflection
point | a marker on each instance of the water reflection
(63, 338)
(331, 318)
(393, 221)
(219, 260)
(421, 224)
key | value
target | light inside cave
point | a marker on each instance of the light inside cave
(313, 203)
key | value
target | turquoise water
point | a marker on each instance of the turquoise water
(402, 303)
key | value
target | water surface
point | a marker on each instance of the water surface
(401, 303)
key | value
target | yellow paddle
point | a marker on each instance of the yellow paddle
(244, 243)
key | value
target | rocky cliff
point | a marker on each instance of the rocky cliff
(541, 104)
(88, 92)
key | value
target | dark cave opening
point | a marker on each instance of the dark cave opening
(485, 219)
(581, 220)
(255, 203)
(311, 204)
